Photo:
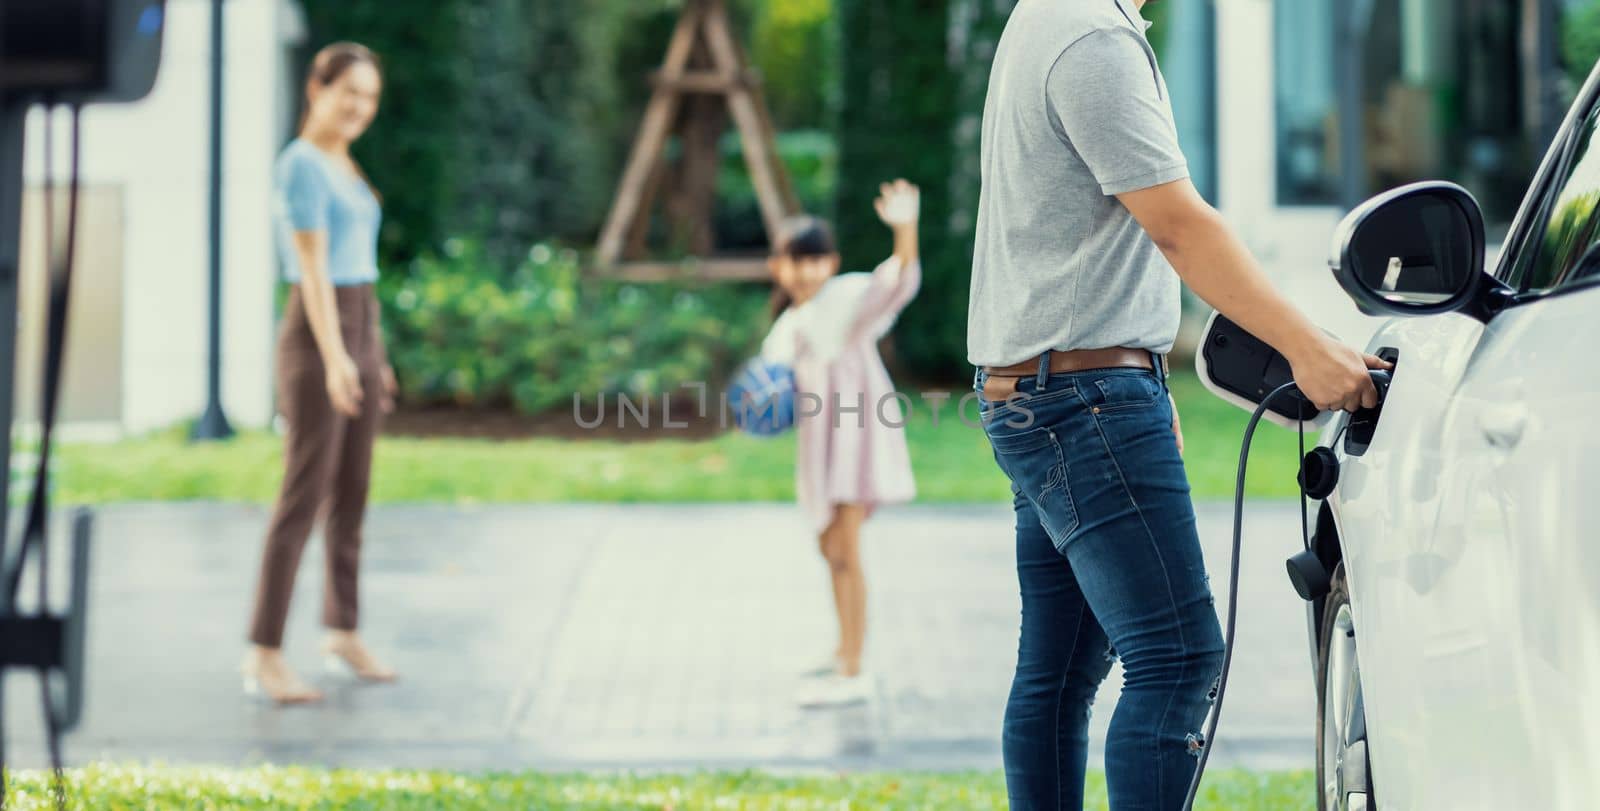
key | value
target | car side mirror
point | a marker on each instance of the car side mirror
(1414, 250)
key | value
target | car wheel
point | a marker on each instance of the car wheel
(1343, 761)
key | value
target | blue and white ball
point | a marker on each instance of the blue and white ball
(761, 398)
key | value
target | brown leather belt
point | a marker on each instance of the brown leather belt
(1003, 379)
(1078, 360)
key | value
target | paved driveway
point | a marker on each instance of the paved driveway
(605, 636)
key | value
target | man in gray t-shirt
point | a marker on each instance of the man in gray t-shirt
(1077, 113)
(1086, 225)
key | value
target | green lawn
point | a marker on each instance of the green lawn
(952, 460)
(112, 788)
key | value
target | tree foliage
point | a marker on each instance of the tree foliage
(1580, 39)
(794, 44)
(476, 134)
(914, 77)
(518, 173)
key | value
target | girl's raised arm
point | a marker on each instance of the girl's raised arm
(896, 280)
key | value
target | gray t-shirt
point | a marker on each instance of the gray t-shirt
(1077, 112)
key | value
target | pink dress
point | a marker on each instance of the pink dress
(852, 443)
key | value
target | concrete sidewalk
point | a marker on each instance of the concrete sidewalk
(616, 636)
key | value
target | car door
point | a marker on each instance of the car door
(1528, 591)
(1524, 418)
(1471, 527)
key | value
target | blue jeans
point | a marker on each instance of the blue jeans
(1109, 564)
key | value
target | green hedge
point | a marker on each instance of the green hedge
(464, 331)
(897, 118)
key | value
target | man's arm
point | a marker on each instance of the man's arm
(1216, 265)
(1113, 113)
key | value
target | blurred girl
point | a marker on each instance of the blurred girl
(852, 456)
(333, 377)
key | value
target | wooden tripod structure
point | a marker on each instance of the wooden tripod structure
(703, 81)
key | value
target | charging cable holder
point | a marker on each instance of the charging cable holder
(1319, 474)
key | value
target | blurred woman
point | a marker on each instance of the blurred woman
(852, 457)
(333, 377)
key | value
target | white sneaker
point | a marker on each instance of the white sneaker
(835, 691)
(822, 669)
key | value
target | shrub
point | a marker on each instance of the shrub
(466, 332)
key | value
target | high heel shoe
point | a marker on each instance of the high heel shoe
(290, 691)
(252, 683)
(338, 664)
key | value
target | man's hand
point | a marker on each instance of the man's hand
(1335, 377)
(1218, 267)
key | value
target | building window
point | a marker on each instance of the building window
(1422, 89)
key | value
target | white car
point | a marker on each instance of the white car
(1456, 627)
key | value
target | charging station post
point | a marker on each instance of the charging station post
(72, 53)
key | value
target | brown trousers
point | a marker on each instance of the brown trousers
(327, 464)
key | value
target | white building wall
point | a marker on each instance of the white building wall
(1245, 178)
(157, 151)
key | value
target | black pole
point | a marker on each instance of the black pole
(213, 423)
(13, 116)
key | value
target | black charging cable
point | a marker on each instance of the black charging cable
(1380, 379)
